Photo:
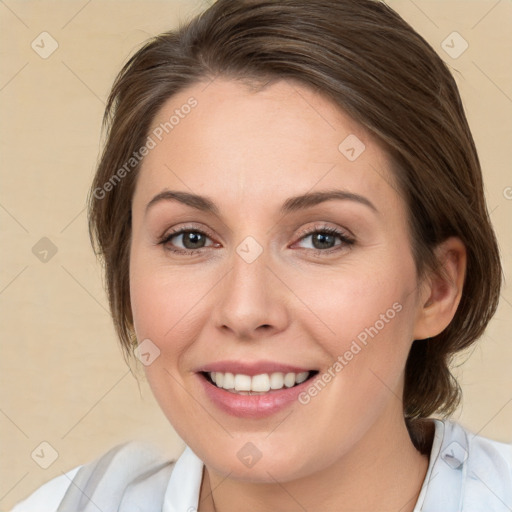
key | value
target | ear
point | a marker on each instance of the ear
(441, 291)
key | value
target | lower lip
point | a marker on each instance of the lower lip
(252, 406)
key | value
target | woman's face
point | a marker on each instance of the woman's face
(272, 276)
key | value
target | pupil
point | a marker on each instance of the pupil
(192, 240)
(324, 240)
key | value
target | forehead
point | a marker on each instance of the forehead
(239, 144)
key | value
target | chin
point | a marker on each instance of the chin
(271, 463)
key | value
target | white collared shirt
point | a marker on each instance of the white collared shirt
(466, 473)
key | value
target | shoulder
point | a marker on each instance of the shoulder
(489, 470)
(129, 471)
(491, 452)
(49, 495)
(492, 457)
(485, 466)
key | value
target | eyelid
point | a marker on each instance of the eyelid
(177, 231)
(343, 234)
(324, 227)
(188, 227)
(346, 240)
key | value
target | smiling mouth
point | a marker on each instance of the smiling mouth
(261, 384)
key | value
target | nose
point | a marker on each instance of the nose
(251, 300)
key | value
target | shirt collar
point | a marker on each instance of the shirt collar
(446, 470)
(443, 487)
(182, 494)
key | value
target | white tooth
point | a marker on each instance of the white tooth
(242, 382)
(301, 377)
(289, 380)
(260, 382)
(276, 380)
(229, 381)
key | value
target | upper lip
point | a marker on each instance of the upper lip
(251, 368)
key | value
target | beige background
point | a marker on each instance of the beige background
(64, 381)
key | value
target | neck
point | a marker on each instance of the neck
(384, 471)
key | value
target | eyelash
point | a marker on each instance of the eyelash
(188, 252)
(329, 230)
(345, 239)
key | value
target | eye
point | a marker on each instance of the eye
(186, 241)
(320, 239)
(325, 239)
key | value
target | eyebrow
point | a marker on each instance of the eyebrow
(292, 204)
(313, 198)
(193, 200)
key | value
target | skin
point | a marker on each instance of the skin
(248, 151)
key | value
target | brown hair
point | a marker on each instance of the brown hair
(374, 66)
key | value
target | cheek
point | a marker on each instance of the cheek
(162, 298)
(165, 305)
(364, 320)
(168, 306)
(357, 304)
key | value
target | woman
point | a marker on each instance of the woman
(291, 214)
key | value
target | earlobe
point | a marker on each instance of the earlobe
(444, 290)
